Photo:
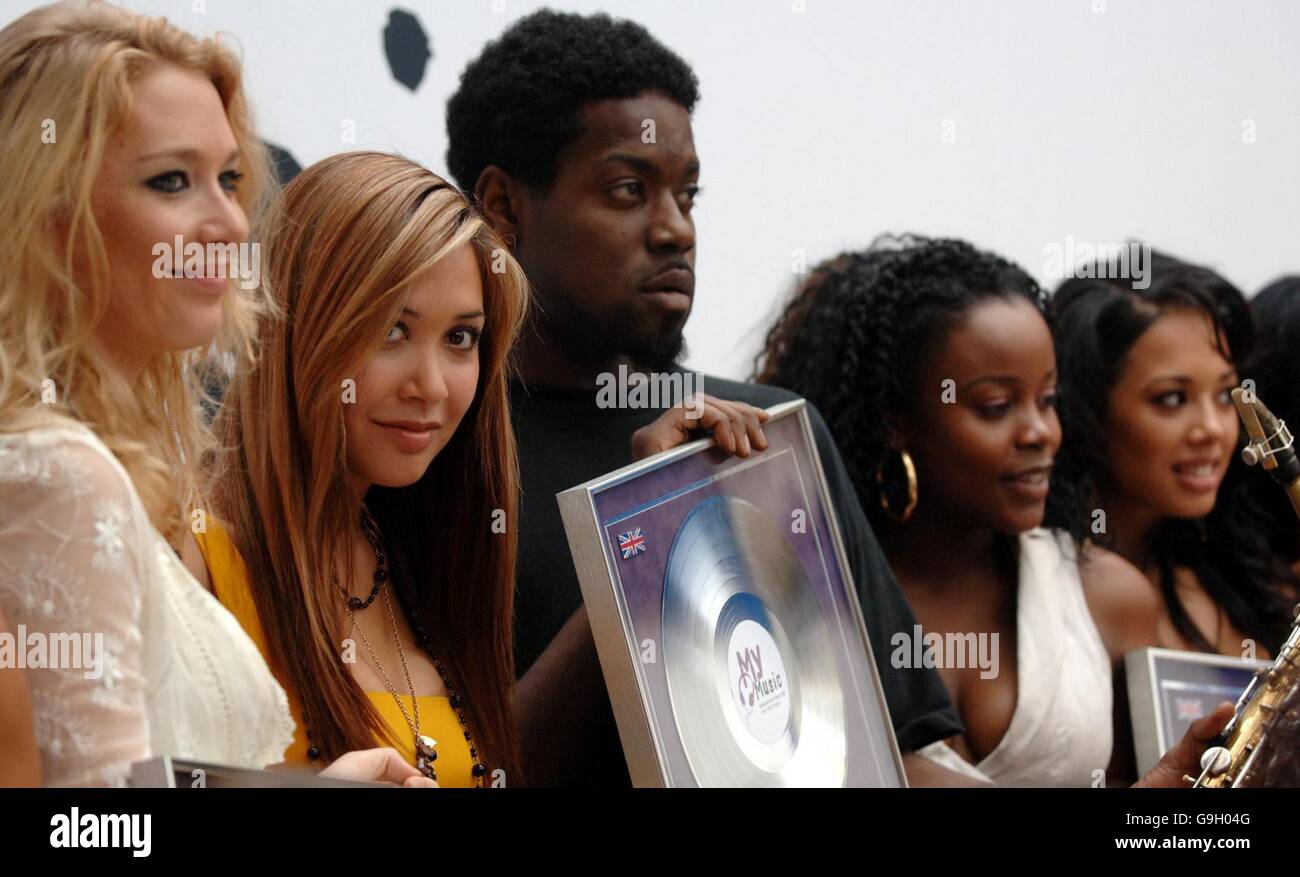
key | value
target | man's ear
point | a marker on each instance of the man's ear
(501, 201)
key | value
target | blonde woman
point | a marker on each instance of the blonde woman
(119, 133)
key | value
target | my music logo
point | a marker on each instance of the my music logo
(752, 683)
(758, 681)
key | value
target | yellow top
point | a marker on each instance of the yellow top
(437, 719)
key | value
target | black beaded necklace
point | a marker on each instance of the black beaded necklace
(426, 754)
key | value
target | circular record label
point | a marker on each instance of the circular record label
(759, 686)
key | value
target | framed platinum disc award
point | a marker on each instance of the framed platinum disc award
(1169, 689)
(726, 619)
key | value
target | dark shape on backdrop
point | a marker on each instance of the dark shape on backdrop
(407, 47)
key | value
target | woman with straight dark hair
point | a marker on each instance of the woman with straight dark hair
(1151, 441)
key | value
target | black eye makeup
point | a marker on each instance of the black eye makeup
(169, 182)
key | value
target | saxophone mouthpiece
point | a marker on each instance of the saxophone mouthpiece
(1271, 425)
(1248, 409)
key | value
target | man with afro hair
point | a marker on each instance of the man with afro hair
(573, 134)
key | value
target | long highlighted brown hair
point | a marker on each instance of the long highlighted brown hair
(340, 246)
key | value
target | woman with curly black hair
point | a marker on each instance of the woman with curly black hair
(933, 364)
(1149, 467)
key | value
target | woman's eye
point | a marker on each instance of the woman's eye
(171, 182)
(1225, 396)
(464, 338)
(1050, 400)
(993, 409)
(230, 180)
(1171, 399)
(397, 333)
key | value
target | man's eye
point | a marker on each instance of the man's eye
(631, 189)
(171, 182)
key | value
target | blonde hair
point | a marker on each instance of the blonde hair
(341, 245)
(67, 70)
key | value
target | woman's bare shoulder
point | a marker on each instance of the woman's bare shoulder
(1125, 605)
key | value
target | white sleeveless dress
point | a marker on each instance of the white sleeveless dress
(1060, 733)
(178, 675)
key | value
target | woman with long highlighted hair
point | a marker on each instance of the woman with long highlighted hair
(364, 503)
(363, 506)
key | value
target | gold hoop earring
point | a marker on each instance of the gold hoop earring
(910, 469)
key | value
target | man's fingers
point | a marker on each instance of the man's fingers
(754, 420)
(720, 426)
(1207, 727)
(1184, 759)
(735, 426)
(738, 429)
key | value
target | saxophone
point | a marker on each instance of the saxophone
(1258, 744)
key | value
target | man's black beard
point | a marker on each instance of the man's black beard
(658, 353)
(619, 336)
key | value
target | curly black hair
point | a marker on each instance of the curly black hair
(1096, 321)
(518, 101)
(852, 336)
(1277, 384)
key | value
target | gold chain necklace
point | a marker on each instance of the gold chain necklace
(425, 753)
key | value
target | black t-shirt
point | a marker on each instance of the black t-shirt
(565, 439)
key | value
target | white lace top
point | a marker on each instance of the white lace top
(1060, 732)
(177, 675)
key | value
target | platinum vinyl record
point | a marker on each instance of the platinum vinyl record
(726, 619)
(746, 648)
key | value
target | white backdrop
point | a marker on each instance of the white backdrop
(1012, 123)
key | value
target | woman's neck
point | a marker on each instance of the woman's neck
(930, 549)
(1130, 528)
(126, 364)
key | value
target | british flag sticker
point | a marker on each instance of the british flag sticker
(631, 543)
(1189, 708)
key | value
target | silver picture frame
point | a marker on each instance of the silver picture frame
(726, 618)
(1169, 689)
